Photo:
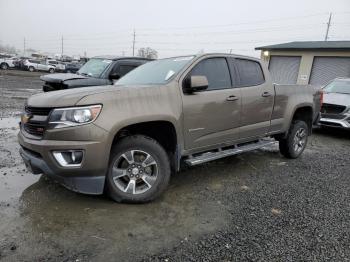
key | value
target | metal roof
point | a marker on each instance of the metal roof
(309, 45)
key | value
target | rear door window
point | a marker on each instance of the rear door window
(250, 72)
(216, 71)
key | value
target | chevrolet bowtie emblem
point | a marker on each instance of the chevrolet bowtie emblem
(25, 118)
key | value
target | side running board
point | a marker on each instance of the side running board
(210, 156)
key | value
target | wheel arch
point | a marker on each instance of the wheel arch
(163, 131)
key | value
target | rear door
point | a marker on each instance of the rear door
(257, 98)
(212, 116)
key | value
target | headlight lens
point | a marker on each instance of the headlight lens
(73, 116)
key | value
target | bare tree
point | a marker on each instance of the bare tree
(7, 49)
(147, 52)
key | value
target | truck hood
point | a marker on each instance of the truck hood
(67, 97)
(336, 99)
(60, 78)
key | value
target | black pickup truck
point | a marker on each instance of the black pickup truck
(101, 70)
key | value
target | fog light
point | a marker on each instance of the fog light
(69, 158)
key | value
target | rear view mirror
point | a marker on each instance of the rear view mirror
(196, 83)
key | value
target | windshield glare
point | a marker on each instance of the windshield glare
(338, 86)
(156, 72)
(94, 67)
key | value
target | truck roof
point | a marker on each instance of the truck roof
(114, 58)
(228, 54)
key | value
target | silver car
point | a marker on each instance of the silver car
(335, 111)
(38, 65)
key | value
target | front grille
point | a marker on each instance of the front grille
(332, 116)
(34, 129)
(40, 111)
(38, 120)
(332, 109)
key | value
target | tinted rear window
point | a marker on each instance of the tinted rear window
(250, 72)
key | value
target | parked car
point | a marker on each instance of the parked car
(19, 63)
(72, 67)
(6, 63)
(38, 65)
(102, 70)
(59, 67)
(129, 137)
(335, 111)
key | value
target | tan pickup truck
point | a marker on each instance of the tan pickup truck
(127, 139)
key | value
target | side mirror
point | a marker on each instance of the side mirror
(114, 76)
(195, 84)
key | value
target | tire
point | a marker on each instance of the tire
(141, 180)
(31, 69)
(68, 71)
(294, 144)
(4, 66)
(51, 70)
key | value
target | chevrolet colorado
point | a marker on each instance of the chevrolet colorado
(128, 138)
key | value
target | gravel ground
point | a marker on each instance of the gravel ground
(298, 210)
(256, 206)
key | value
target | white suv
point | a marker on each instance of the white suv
(59, 66)
(6, 63)
(38, 65)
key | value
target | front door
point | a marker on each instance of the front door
(212, 116)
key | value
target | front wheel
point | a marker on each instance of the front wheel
(51, 70)
(139, 170)
(4, 66)
(31, 69)
(294, 144)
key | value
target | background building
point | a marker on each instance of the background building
(311, 62)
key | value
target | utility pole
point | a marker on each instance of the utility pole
(133, 44)
(62, 47)
(24, 46)
(328, 25)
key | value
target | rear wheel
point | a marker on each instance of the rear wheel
(31, 69)
(294, 144)
(51, 70)
(4, 66)
(139, 170)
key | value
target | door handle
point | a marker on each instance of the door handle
(266, 94)
(232, 98)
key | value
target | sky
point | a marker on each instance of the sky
(172, 28)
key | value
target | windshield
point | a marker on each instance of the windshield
(94, 67)
(338, 86)
(156, 72)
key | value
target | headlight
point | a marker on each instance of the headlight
(74, 116)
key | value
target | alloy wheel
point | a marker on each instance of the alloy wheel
(135, 172)
(299, 141)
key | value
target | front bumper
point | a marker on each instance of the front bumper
(338, 121)
(89, 178)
